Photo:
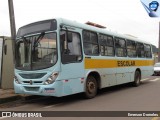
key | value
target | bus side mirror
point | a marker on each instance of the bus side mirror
(5, 49)
(69, 37)
(69, 34)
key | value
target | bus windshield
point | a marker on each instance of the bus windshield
(36, 51)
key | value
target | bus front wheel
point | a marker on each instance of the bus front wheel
(137, 78)
(90, 88)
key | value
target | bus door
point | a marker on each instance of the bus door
(72, 64)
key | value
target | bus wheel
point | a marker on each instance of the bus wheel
(91, 87)
(137, 78)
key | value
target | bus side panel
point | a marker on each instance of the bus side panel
(146, 67)
(146, 71)
(108, 77)
(123, 75)
(132, 72)
(72, 86)
(105, 67)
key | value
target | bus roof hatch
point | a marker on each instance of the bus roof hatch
(94, 24)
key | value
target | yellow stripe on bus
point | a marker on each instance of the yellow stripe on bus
(101, 63)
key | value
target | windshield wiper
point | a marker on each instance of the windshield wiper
(24, 40)
(39, 38)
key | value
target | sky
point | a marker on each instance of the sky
(121, 16)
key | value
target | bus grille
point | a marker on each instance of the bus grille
(36, 82)
(32, 75)
(34, 89)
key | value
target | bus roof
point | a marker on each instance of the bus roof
(99, 30)
(91, 28)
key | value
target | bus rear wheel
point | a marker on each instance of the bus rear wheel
(90, 88)
(137, 78)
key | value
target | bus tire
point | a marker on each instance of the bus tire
(90, 87)
(137, 78)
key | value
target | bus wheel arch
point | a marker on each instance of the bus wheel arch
(137, 77)
(92, 85)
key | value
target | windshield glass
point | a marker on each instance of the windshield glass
(36, 52)
(157, 65)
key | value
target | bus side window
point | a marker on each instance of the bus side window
(147, 49)
(140, 50)
(131, 48)
(90, 42)
(106, 45)
(120, 45)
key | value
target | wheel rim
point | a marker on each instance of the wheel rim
(91, 87)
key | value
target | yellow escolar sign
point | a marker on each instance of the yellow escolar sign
(125, 63)
(101, 63)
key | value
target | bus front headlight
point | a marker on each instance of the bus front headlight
(16, 80)
(51, 79)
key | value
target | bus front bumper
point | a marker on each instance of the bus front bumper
(44, 90)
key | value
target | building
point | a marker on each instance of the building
(6, 63)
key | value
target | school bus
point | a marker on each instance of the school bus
(59, 57)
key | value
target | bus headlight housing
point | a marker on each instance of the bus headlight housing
(16, 80)
(51, 79)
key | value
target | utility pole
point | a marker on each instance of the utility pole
(159, 45)
(12, 24)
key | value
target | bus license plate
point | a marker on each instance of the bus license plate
(49, 90)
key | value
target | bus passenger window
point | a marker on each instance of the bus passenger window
(131, 48)
(90, 41)
(147, 49)
(140, 50)
(120, 45)
(107, 45)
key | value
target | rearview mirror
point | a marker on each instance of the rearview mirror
(5, 49)
(69, 36)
